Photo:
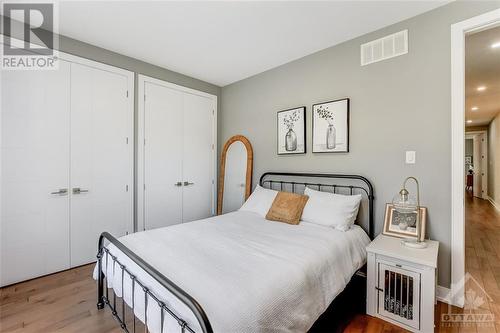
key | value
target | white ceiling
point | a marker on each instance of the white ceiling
(482, 68)
(224, 42)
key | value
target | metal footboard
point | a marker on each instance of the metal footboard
(119, 314)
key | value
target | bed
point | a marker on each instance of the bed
(236, 272)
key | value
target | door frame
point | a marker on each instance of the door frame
(474, 135)
(140, 185)
(458, 32)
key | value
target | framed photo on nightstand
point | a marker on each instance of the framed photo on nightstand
(403, 225)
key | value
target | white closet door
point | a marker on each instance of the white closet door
(34, 229)
(100, 159)
(198, 160)
(162, 156)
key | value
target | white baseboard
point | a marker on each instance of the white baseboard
(443, 294)
(496, 205)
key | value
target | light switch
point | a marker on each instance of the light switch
(410, 157)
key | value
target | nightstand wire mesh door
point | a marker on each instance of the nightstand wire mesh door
(399, 295)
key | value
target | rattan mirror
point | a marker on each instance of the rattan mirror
(235, 176)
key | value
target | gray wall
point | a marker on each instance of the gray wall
(95, 53)
(85, 50)
(396, 105)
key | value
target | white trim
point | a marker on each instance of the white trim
(494, 203)
(140, 155)
(443, 294)
(142, 79)
(458, 31)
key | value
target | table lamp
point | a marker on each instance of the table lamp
(405, 203)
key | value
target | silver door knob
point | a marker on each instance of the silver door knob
(188, 183)
(62, 191)
(77, 190)
(178, 184)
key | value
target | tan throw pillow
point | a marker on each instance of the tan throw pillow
(287, 207)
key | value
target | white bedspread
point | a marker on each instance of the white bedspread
(248, 274)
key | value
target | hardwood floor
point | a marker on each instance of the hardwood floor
(62, 302)
(66, 301)
(482, 262)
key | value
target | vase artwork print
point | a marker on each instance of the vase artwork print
(331, 127)
(291, 131)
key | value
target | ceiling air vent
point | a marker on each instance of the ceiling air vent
(384, 48)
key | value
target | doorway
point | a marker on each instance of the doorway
(476, 163)
(474, 79)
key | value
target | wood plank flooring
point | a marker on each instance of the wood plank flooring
(482, 262)
(66, 301)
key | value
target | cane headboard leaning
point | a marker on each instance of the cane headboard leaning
(334, 183)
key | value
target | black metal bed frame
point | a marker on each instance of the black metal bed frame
(104, 299)
(367, 189)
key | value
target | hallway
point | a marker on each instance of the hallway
(482, 253)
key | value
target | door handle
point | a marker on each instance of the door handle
(77, 190)
(178, 184)
(188, 183)
(62, 191)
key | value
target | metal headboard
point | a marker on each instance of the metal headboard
(335, 183)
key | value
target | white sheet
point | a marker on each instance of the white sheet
(248, 274)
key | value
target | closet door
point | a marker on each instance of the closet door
(198, 157)
(101, 161)
(34, 179)
(162, 156)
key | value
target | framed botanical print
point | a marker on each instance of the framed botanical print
(403, 225)
(331, 127)
(292, 131)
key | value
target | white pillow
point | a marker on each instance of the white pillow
(260, 201)
(330, 209)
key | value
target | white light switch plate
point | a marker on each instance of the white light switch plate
(411, 157)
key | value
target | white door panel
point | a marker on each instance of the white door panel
(34, 228)
(197, 157)
(162, 156)
(100, 159)
(478, 171)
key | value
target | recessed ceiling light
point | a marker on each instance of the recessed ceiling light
(481, 88)
(474, 108)
(495, 45)
(469, 121)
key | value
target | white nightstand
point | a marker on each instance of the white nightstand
(402, 283)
